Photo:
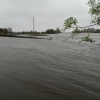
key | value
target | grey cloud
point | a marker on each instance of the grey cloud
(18, 14)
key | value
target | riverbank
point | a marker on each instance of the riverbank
(21, 36)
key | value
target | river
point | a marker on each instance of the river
(49, 69)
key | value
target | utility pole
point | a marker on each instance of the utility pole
(33, 25)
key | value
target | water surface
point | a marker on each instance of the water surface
(57, 69)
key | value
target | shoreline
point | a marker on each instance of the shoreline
(15, 36)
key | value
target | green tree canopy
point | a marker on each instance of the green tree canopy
(50, 31)
(5, 31)
(1, 30)
(9, 29)
(94, 11)
(95, 15)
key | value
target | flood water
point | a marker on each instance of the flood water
(43, 69)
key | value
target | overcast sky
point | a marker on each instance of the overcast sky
(48, 14)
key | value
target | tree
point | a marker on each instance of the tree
(1, 30)
(50, 31)
(57, 30)
(94, 11)
(95, 14)
(5, 31)
(9, 29)
(71, 23)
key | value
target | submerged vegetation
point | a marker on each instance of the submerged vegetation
(87, 38)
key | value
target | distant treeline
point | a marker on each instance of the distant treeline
(48, 31)
(6, 30)
(91, 30)
(97, 31)
(3, 30)
(27, 32)
(52, 31)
